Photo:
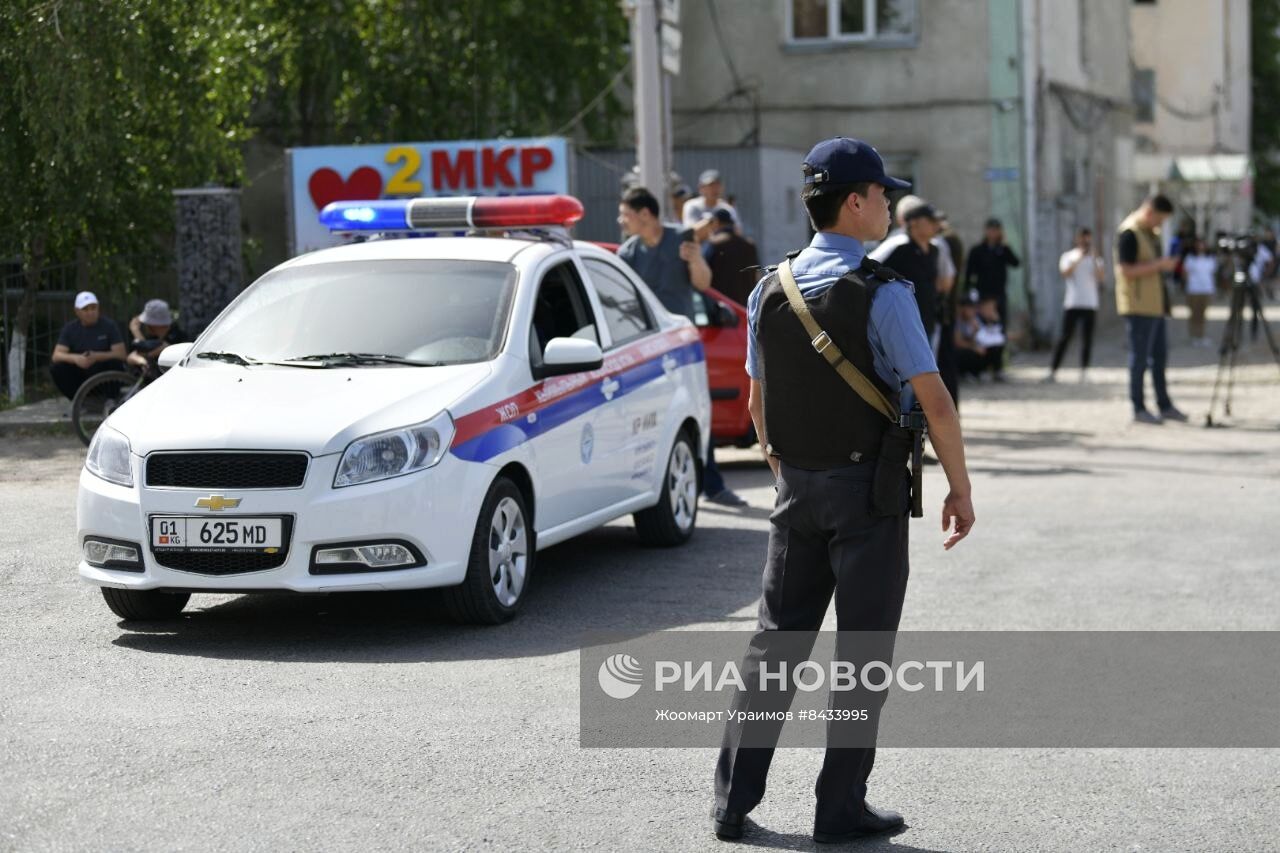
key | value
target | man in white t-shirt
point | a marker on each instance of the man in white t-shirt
(1082, 273)
(710, 199)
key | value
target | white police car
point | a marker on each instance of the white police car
(401, 414)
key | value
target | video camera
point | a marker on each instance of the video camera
(1242, 245)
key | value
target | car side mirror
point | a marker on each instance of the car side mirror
(171, 355)
(726, 317)
(570, 355)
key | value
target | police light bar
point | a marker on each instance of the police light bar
(437, 214)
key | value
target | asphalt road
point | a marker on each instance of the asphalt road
(367, 722)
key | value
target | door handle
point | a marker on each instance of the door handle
(610, 387)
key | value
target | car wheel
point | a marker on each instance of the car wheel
(501, 560)
(147, 605)
(671, 521)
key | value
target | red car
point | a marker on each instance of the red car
(722, 325)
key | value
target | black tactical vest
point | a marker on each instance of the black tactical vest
(813, 418)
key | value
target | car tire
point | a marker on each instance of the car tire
(497, 580)
(672, 519)
(146, 605)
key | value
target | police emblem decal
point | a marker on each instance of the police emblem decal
(588, 445)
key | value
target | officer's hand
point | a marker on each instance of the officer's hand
(957, 508)
(689, 250)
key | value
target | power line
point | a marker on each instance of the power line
(600, 96)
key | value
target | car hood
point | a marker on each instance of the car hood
(227, 407)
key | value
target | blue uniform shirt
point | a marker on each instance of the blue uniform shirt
(900, 350)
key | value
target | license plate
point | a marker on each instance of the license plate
(229, 535)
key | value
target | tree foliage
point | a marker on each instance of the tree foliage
(1265, 142)
(352, 71)
(109, 105)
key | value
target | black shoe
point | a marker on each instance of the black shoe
(728, 825)
(872, 821)
(1172, 414)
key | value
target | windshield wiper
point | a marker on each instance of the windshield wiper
(349, 358)
(229, 357)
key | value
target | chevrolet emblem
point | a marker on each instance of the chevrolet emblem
(217, 503)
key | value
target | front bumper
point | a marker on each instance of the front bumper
(434, 510)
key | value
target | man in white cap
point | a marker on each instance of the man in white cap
(152, 331)
(87, 345)
(709, 200)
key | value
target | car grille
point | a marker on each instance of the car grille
(203, 563)
(227, 470)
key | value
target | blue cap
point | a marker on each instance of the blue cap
(842, 161)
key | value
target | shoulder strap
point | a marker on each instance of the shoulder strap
(827, 348)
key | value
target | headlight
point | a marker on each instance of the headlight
(109, 457)
(395, 452)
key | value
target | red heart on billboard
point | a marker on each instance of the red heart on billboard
(326, 185)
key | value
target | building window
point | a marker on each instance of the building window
(851, 20)
(1144, 94)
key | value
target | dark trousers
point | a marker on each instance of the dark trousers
(970, 363)
(712, 479)
(948, 366)
(1085, 317)
(823, 540)
(1148, 347)
(69, 378)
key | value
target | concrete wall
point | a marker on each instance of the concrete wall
(1084, 128)
(925, 106)
(1199, 50)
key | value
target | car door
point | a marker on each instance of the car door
(643, 384)
(574, 477)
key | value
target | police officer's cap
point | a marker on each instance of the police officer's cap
(842, 161)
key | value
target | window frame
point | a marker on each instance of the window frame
(653, 327)
(584, 296)
(871, 37)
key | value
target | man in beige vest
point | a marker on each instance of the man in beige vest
(1140, 299)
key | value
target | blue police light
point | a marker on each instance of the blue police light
(385, 215)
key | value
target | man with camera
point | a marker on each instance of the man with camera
(837, 353)
(1141, 299)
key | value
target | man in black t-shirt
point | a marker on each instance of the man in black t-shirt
(87, 345)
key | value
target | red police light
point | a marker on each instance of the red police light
(526, 211)
(532, 211)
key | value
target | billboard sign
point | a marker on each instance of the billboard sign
(318, 176)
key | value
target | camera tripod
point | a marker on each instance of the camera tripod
(1242, 290)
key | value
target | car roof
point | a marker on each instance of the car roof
(502, 249)
(498, 249)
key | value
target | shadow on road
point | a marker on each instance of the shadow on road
(603, 581)
(759, 836)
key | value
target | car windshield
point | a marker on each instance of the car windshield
(367, 313)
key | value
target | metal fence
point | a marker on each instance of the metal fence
(122, 287)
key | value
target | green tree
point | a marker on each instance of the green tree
(106, 107)
(1265, 46)
(359, 71)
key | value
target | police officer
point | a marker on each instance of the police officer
(833, 531)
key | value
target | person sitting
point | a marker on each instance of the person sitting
(88, 345)
(973, 356)
(152, 331)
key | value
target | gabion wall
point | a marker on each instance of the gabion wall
(209, 255)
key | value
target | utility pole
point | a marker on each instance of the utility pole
(647, 85)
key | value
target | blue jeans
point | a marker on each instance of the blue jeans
(1148, 345)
